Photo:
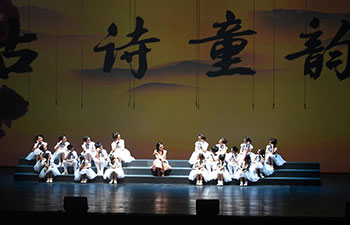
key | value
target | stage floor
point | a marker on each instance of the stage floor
(327, 200)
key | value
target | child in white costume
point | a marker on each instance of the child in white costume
(199, 172)
(245, 149)
(245, 172)
(71, 159)
(200, 146)
(114, 171)
(222, 146)
(231, 159)
(222, 172)
(89, 149)
(160, 164)
(84, 172)
(100, 158)
(41, 162)
(271, 153)
(39, 147)
(119, 150)
(49, 170)
(60, 149)
(258, 162)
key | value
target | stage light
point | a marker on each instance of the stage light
(207, 207)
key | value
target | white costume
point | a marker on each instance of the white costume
(223, 171)
(269, 152)
(36, 150)
(86, 169)
(222, 149)
(71, 160)
(243, 151)
(40, 163)
(199, 147)
(89, 150)
(232, 162)
(100, 159)
(246, 171)
(160, 161)
(49, 166)
(62, 149)
(115, 167)
(119, 151)
(197, 169)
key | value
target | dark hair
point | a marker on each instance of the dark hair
(224, 140)
(214, 148)
(60, 138)
(85, 138)
(262, 152)
(70, 147)
(234, 148)
(98, 144)
(247, 159)
(201, 156)
(247, 139)
(81, 158)
(222, 157)
(159, 143)
(46, 155)
(115, 135)
(37, 136)
(42, 147)
(273, 141)
(202, 136)
(111, 157)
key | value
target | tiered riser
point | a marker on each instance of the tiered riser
(139, 171)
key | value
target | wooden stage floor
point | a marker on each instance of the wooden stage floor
(327, 200)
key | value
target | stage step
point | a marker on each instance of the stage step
(139, 171)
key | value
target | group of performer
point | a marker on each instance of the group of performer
(223, 164)
(109, 166)
(217, 163)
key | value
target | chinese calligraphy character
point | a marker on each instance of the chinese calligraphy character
(26, 56)
(128, 56)
(228, 43)
(315, 52)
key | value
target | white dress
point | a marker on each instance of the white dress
(160, 161)
(277, 158)
(199, 168)
(249, 173)
(223, 171)
(36, 151)
(40, 163)
(243, 151)
(49, 167)
(101, 161)
(119, 151)
(232, 162)
(89, 150)
(72, 160)
(222, 149)
(115, 167)
(62, 149)
(199, 147)
(86, 169)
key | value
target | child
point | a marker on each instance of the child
(84, 172)
(245, 172)
(49, 170)
(258, 162)
(71, 159)
(60, 149)
(89, 149)
(119, 150)
(271, 154)
(38, 145)
(41, 162)
(246, 149)
(100, 158)
(231, 158)
(222, 173)
(160, 164)
(114, 171)
(199, 171)
(200, 146)
(212, 162)
(222, 146)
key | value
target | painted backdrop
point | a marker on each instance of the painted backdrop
(167, 70)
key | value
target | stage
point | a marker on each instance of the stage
(268, 201)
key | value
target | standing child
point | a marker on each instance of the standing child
(114, 171)
(84, 172)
